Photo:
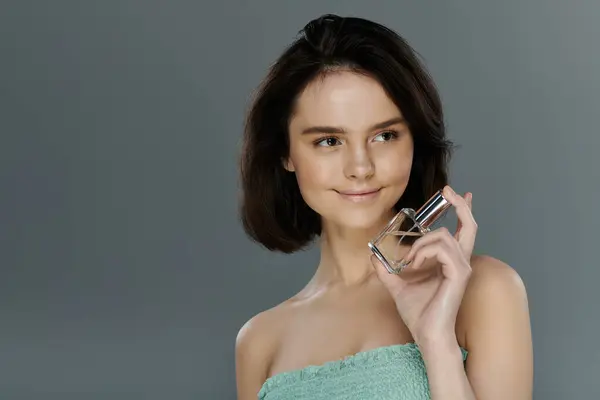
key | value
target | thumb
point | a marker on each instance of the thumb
(391, 281)
(378, 265)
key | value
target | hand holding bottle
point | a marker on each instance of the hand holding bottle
(429, 291)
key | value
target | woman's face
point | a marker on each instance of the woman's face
(351, 150)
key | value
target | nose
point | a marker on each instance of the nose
(359, 164)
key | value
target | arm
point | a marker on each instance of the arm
(251, 359)
(495, 318)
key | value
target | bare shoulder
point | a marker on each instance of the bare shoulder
(495, 326)
(492, 274)
(255, 345)
(493, 286)
(257, 336)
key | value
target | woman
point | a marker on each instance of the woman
(346, 130)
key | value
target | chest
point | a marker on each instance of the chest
(333, 331)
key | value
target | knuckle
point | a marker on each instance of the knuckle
(447, 236)
(419, 240)
(444, 232)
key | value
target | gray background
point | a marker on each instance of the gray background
(124, 270)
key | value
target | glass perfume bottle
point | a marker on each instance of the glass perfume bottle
(390, 245)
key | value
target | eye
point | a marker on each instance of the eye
(327, 142)
(386, 136)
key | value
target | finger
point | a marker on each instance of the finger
(434, 250)
(468, 229)
(452, 268)
(468, 196)
(431, 237)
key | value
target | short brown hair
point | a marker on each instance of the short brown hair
(273, 211)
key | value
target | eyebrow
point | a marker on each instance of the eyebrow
(334, 129)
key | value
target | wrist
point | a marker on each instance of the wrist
(436, 344)
(446, 373)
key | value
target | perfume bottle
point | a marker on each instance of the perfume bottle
(390, 245)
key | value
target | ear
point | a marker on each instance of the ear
(289, 165)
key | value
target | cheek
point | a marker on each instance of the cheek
(312, 175)
(313, 184)
(396, 166)
(312, 171)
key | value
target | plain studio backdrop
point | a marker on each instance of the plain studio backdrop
(124, 270)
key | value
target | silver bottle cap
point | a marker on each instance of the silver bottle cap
(431, 211)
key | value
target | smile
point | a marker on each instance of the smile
(360, 196)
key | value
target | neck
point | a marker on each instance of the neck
(345, 255)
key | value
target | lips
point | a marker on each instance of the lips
(359, 196)
(364, 192)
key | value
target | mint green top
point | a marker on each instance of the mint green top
(390, 372)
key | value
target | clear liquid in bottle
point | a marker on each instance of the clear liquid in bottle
(394, 241)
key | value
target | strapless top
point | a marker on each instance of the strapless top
(389, 372)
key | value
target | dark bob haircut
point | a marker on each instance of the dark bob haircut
(273, 211)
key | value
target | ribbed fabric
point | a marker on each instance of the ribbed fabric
(390, 372)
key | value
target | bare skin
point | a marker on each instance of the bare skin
(346, 307)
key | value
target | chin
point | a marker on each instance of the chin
(361, 220)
